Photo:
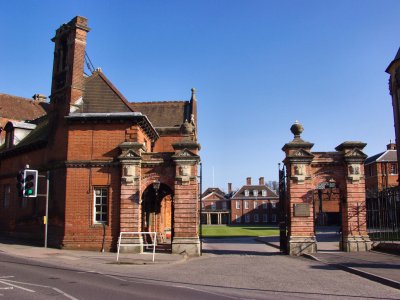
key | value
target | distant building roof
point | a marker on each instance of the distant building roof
(216, 191)
(241, 192)
(21, 109)
(386, 156)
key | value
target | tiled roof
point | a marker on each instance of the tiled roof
(388, 155)
(251, 188)
(101, 96)
(165, 113)
(18, 108)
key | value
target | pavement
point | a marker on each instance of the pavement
(376, 266)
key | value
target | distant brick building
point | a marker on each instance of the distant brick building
(216, 207)
(254, 204)
(381, 170)
(114, 165)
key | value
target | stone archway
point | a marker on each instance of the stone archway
(305, 172)
(157, 211)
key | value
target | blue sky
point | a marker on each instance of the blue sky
(257, 66)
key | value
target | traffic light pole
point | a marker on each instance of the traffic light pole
(47, 209)
(46, 217)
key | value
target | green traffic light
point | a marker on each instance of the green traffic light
(29, 192)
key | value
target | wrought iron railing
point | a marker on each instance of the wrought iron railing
(383, 215)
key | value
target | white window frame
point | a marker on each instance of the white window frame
(246, 193)
(246, 204)
(238, 219)
(237, 204)
(265, 205)
(101, 205)
(273, 204)
(393, 169)
(255, 193)
(224, 205)
(247, 218)
(213, 206)
(264, 193)
(255, 204)
(256, 218)
(265, 218)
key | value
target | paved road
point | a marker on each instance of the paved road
(24, 279)
(231, 269)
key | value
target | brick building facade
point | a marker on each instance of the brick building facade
(381, 170)
(254, 204)
(114, 166)
(215, 207)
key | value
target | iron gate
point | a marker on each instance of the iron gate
(383, 215)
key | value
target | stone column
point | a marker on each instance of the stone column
(186, 216)
(354, 216)
(130, 203)
(301, 236)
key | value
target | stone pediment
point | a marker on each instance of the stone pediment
(302, 153)
(129, 154)
(186, 156)
(185, 153)
(355, 153)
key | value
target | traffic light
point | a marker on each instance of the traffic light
(30, 183)
(20, 183)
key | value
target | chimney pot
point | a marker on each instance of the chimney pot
(261, 181)
(39, 98)
(248, 181)
(229, 188)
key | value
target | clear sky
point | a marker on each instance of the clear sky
(257, 66)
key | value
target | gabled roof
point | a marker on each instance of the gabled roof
(240, 193)
(387, 156)
(215, 191)
(22, 109)
(164, 113)
(101, 96)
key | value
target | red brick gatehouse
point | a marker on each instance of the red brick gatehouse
(114, 166)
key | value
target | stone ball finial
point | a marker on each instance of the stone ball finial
(296, 129)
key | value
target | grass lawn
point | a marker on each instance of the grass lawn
(238, 230)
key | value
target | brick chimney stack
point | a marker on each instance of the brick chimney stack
(391, 146)
(261, 181)
(248, 181)
(68, 66)
(229, 188)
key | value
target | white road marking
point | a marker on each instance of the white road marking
(16, 286)
(6, 277)
(6, 281)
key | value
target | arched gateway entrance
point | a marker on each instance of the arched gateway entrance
(320, 189)
(157, 211)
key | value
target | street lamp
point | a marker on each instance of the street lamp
(156, 187)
